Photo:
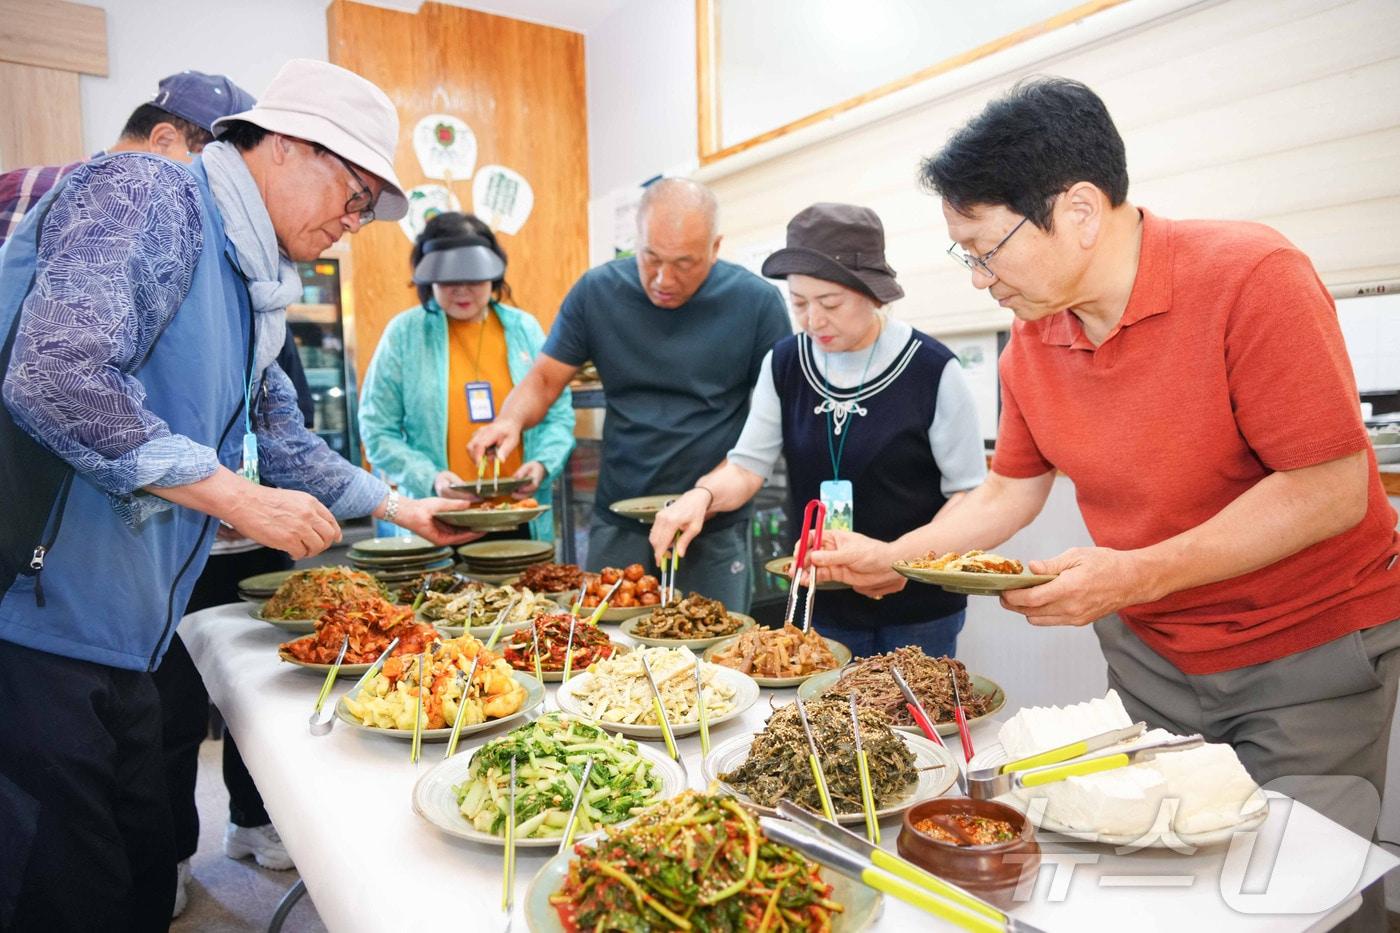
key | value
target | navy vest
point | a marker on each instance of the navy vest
(107, 592)
(887, 458)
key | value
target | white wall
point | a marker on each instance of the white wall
(149, 39)
(641, 93)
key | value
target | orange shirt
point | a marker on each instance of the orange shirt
(1228, 365)
(476, 352)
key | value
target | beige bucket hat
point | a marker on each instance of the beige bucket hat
(326, 104)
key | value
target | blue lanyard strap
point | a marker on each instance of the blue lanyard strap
(837, 452)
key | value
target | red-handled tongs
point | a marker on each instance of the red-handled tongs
(813, 520)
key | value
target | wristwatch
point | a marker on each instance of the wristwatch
(391, 505)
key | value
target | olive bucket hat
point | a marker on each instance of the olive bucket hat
(841, 243)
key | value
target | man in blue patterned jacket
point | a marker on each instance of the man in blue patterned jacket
(142, 308)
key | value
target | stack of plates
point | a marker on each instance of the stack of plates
(500, 561)
(395, 560)
(259, 589)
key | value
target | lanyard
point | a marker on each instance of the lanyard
(480, 342)
(837, 452)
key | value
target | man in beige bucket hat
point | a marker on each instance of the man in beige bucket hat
(142, 307)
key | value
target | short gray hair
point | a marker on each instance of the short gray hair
(683, 193)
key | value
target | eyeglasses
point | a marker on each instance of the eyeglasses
(980, 263)
(362, 201)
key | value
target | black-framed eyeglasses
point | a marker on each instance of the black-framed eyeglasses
(980, 263)
(362, 201)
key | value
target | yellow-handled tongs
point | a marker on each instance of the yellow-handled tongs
(1069, 761)
(840, 849)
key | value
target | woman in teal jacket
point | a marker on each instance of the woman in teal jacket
(415, 413)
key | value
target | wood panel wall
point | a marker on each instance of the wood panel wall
(1279, 111)
(520, 87)
(44, 46)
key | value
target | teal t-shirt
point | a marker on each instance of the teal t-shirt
(677, 380)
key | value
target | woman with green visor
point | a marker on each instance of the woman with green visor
(443, 367)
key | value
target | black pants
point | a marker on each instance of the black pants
(185, 707)
(85, 834)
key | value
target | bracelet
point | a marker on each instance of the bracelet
(391, 505)
(710, 491)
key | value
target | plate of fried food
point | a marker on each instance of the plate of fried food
(973, 573)
(636, 595)
(642, 508)
(783, 657)
(929, 678)
(549, 577)
(370, 624)
(694, 621)
(551, 634)
(388, 703)
(497, 514)
(473, 611)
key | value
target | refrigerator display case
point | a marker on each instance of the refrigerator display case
(323, 331)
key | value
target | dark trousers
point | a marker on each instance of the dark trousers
(185, 707)
(85, 834)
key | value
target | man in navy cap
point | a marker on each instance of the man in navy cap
(177, 123)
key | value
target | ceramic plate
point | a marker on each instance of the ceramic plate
(434, 800)
(972, 584)
(629, 628)
(611, 614)
(490, 519)
(840, 651)
(819, 684)
(264, 583)
(534, 696)
(479, 632)
(487, 551)
(642, 508)
(494, 579)
(292, 626)
(346, 670)
(403, 576)
(862, 903)
(1255, 812)
(501, 486)
(934, 782)
(396, 545)
(780, 565)
(396, 562)
(745, 695)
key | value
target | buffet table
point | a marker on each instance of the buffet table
(342, 804)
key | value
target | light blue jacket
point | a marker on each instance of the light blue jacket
(403, 405)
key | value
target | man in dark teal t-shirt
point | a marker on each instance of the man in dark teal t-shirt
(677, 336)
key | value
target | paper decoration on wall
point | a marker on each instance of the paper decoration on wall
(446, 147)
(424, 203)
(502, 197)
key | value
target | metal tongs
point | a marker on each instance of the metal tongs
(660, 709)
(843, 850)
(1068, 761)
(495, 470)
(323, 726)
(316, 724)
(813, 519)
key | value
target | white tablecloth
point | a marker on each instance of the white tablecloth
(342, 804)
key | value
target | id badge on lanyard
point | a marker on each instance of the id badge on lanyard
(249, 469)
(839, 498)
(481, 406)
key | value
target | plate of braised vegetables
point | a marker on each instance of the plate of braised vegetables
(783, 657)
(773, 763)
(466, 795)
(721, 871)
(695, 622)
(638, 592)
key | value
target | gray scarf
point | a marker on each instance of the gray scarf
(273, 282)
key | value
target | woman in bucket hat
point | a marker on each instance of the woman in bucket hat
(444, 366)
(872, 416)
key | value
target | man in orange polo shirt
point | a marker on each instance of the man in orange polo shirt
(1190, 378)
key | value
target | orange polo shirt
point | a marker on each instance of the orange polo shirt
(1228, 365)
(476, 351)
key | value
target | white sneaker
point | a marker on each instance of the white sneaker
(182, 881)
(261, 842)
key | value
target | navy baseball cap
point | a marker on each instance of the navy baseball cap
(200, 98)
